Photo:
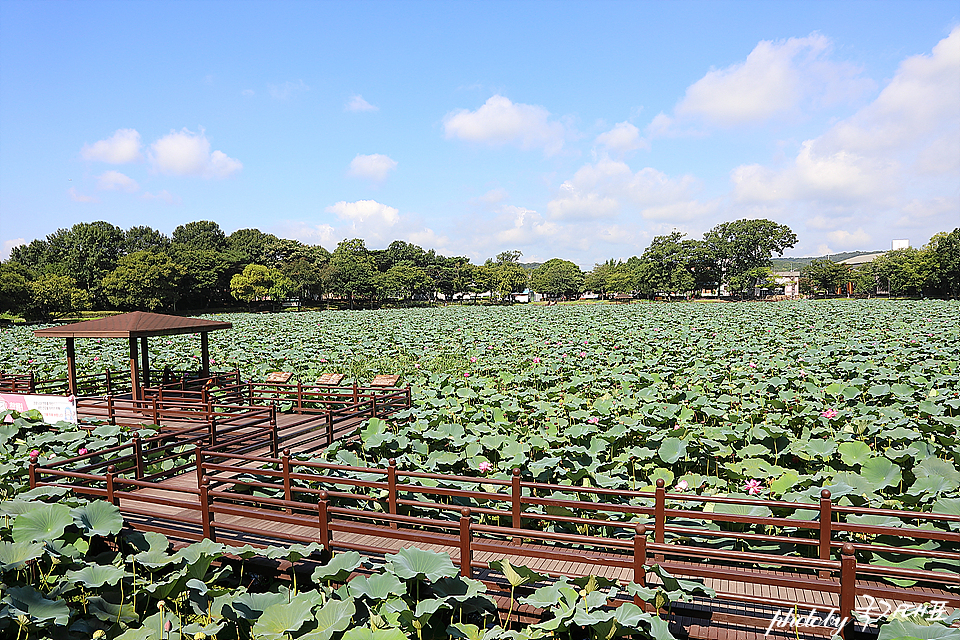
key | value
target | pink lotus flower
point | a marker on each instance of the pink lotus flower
(473, 359)
(82, 452)
(466, 375)
(536, 360)
(593, 420)
(583, 354)
(35, 453)
(681, 486)
(484, 467)
(416, 366)
(752, 365)
(829, 414)
(803, 374)
(753, 487)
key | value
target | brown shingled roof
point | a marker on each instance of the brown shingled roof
(137, 324)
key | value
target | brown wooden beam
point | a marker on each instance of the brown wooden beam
(144, 362)
(204, 354)
(134, 371)
(71, 366)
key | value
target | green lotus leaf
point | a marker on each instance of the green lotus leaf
(672, 449)
(933, 466)
(294, 552)
(854, 453)
(281, 618)
(107, 611)
(339, 568)
(250, 606)
(411, 563)
(333, 617)
(96, 575)
(98, 518)
(879, 472)
(40, 611)
(379, 586)
(15, 555)
(516, 575)
(44, 522)
(365, 633)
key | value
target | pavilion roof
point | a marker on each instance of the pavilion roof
(137, 324)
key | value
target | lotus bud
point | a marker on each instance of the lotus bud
(99, 633)
(199, 635)
(168, 626)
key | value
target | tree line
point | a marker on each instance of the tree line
(98, 265)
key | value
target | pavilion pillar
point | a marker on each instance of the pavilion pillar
(144, 362)
(134, 372)
(204, 354)
(71, 366)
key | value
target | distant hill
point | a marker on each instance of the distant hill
(796, 264)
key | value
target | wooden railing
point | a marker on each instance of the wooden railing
(16, 383)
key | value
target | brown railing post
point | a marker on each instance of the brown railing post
(274, 436)
(33, 471)
(213, 430)
(356, 393)
(199, 453)
(109, 381)
(515, 491)
(659, 515)
(409, 397)
(466, 553)
(287, 489)
(299, 397)
(206, 516)
(329, 427)
(392, 489)
(373, 405)
(848, 584)
(111, 411)
(111, 496)
(826, 524)
(640, 559)
(137, 456)
(156, 412)
(324, 520)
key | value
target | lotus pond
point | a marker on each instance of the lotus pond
(771, 399)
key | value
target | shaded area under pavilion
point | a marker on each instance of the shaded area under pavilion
(135, 326)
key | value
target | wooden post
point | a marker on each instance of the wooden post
(515, 490)
(659, 516)
(299, 397)
(156, 413)
(329, 427)
(640, 559)
(134, 371)
(848, 584)
(287, 489)
(206, 516)
(109, 381)
(392, 489)
(111, 411)
(71, 367)
(198, 451)
(138, 456)
(274, 435)
(356, 393)
(323, 496)
(373, 405)
(111, 496)
(466, 553)
(826, 524)
(204, 354)
(33, 471)
(145, 362)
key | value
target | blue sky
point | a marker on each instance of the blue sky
(572, 129)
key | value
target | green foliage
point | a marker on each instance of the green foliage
(558, 278)
(144, 280)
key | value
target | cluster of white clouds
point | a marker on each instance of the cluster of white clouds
(374, 167)
(179, 153)
(499, 122)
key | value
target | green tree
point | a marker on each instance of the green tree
(742, 245)
(944, 251)
(258, 283)
(252, 246)
(557, 277)
(202, 235)
(15, 291)
(144, 239)
(826, 276)
(144, 280)
(404, 280)
(87, 252)
(351, 271)
(54, 296)
(509, 278)
(668, 265)
(207, 276)
(905, 271)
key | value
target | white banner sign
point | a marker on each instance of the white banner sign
(52, 408)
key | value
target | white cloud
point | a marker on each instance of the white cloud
(184, 153)
(120, 148)
(374, 167)
(357, 103)
(500, 121)
(287, 90)
(163, 196)
(427, 238)
(365, 211)
(848, 240)
(777, 79)
(604, 188)
(76, 196)
(528, 227)
(321, 234)
(622, 139)
(116, 181)
(494, 196)
(8, 246)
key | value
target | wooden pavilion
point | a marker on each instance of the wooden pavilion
(137, 325)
